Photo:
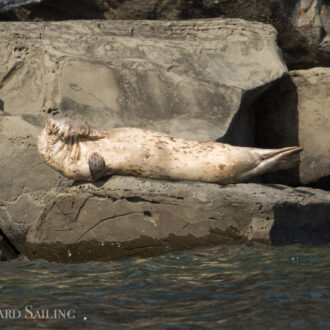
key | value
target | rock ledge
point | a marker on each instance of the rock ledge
(126, 216)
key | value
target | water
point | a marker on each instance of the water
(247, 286)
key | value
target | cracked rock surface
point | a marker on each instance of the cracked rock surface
(127, 216)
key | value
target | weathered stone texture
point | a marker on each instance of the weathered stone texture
(303, 25)
(128, 216)
(185, 78)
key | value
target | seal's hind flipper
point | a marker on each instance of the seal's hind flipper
(96, 166)
(289, 158)
(273, 160)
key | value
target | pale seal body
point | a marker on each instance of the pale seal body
(80, 152)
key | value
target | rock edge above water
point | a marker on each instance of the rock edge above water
(128, 216)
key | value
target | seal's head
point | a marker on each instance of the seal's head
(59, 146)
(60, 132)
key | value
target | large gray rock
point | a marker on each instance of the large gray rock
(128, 216)
(296, 112)
(303, 25)
(190, 79)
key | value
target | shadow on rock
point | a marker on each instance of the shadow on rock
(277, 126)
(292, 224)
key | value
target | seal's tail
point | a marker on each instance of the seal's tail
(279, 159)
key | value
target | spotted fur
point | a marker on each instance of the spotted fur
(81, 152)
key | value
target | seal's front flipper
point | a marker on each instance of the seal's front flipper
(96, 166)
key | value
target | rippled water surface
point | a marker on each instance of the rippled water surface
(247, 286)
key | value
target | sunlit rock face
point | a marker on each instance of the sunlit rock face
(303, 25)
(192, 79)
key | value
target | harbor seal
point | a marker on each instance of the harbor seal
(83, 153)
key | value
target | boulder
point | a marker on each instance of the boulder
(191, 79)
(303, 25)
(296, 112)
(127, 216)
